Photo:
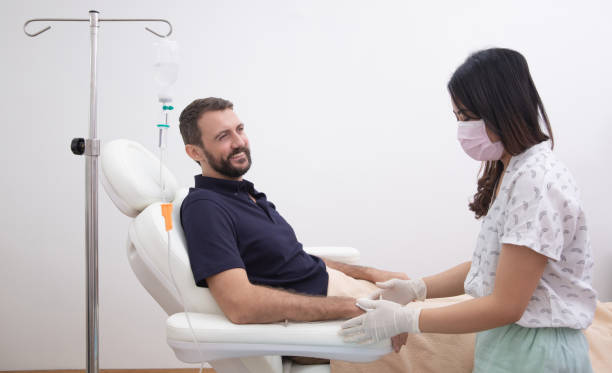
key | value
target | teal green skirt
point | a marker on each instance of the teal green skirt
(513, 348)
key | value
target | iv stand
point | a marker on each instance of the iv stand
(91, 148)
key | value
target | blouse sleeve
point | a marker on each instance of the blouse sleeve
(538, 215)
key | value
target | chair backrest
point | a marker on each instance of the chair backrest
(131, 176)
(131, 179)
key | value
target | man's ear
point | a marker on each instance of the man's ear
(194, 152)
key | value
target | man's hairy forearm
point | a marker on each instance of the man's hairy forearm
(267, 305)
(354, 271)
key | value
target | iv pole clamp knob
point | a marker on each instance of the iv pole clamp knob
(78, 146)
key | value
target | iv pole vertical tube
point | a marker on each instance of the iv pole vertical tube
(91, 209)
(91, 149)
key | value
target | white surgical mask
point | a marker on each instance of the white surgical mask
(475, 142)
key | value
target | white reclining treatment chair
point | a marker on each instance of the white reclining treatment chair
(130, 175)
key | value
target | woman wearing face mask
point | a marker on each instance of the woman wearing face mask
(530, 274)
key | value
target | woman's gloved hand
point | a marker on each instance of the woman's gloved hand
(383, 319)
(401, 291)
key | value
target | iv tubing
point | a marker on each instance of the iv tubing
(166, 210)
(167, 214)
(193, 336)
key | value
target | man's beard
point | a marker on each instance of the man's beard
(224, 165)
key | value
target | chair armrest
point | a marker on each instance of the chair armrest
(348, 255)
(218, 338)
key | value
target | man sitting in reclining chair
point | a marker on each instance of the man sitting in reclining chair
(240, 247)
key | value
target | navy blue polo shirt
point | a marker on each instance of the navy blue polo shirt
(226, 229)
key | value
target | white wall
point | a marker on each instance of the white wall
(351, 129)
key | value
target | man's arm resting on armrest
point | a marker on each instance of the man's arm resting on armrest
(245, 303)
(364, 273)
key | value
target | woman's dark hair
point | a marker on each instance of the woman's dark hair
(495, 85)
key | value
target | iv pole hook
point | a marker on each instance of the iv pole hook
(25, 25)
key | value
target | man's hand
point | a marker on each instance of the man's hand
(398, 341)
(378, 275)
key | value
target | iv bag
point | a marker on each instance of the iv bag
(166, 68)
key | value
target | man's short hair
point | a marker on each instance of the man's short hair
(188, 121)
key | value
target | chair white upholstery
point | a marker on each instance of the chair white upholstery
(131, 179)
(130, 176)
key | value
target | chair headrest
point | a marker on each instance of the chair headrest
(131, 176)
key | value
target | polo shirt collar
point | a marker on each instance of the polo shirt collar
(222, 185)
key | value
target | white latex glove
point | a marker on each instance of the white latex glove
(401, 291)
(383, 319)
